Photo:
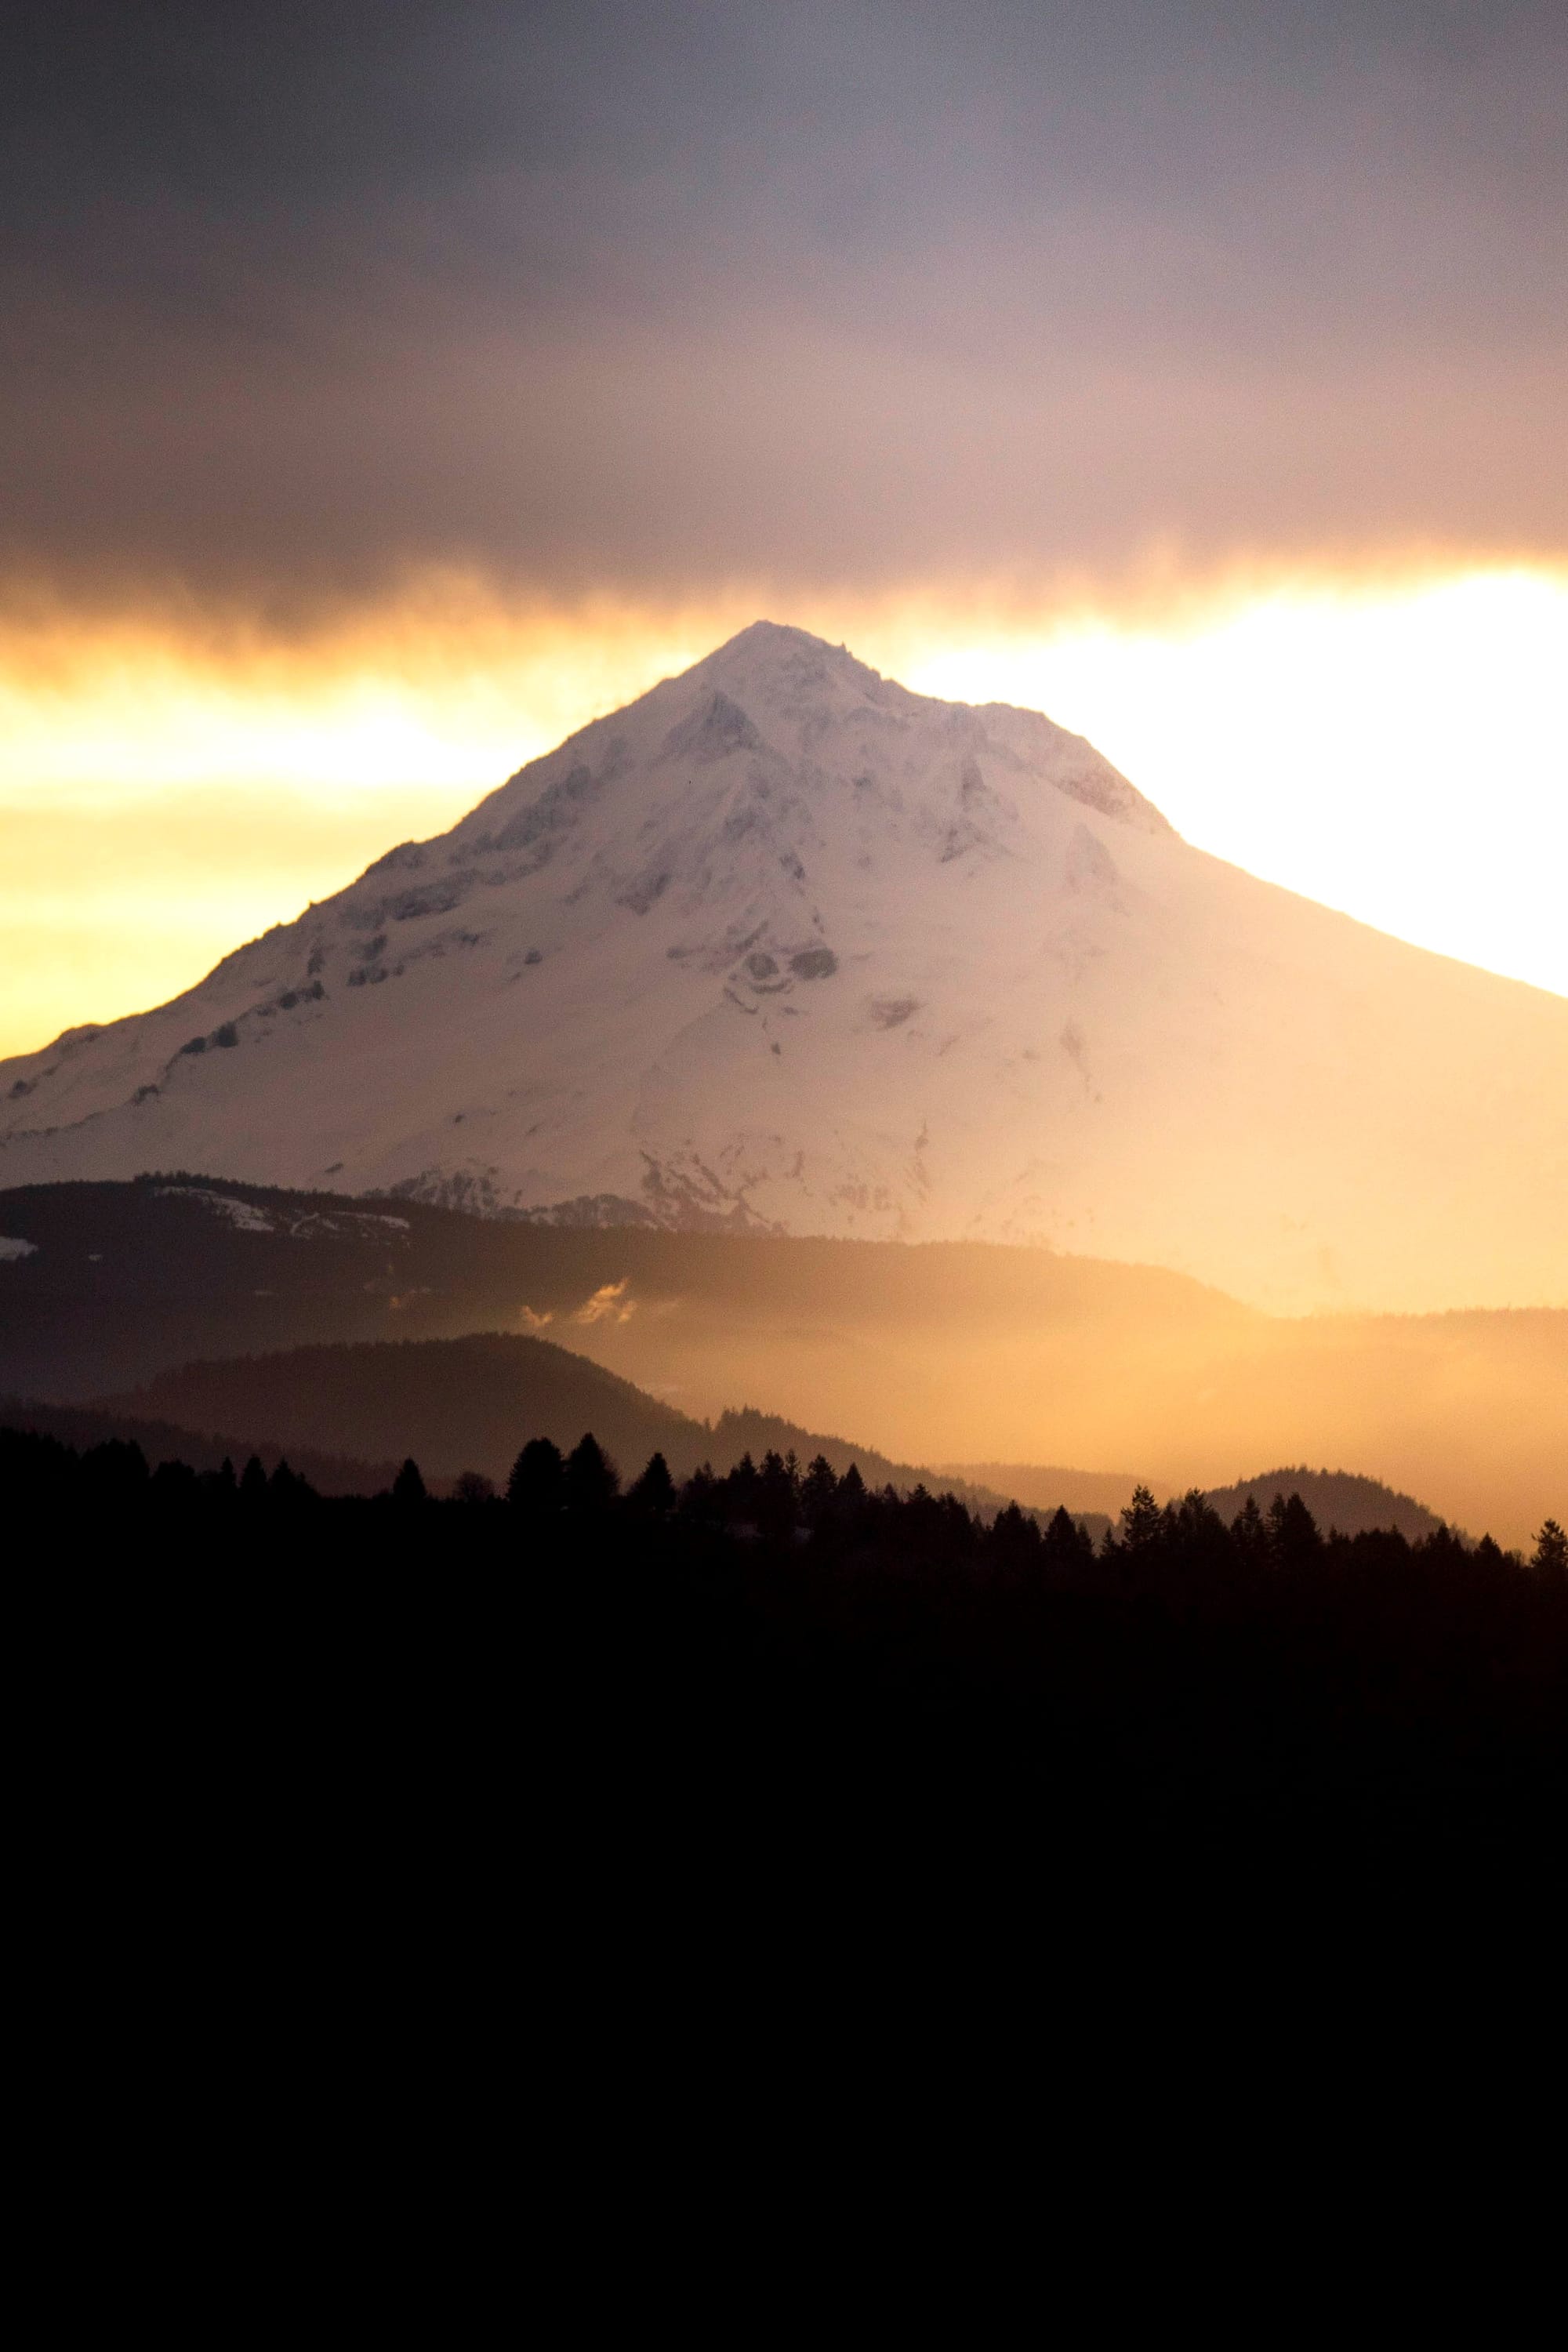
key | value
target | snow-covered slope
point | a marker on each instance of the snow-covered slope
(783, 944)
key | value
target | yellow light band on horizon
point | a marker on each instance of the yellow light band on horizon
(169, 788)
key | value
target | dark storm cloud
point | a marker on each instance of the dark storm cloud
(638, 292)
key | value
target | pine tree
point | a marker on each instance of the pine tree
(818, 1489)
(742, 1494)
(776, 1495)
(852, 1504)
(1198, 1537)
(1068, 1545)
(286, 1487)
(537, 1483)
(590, 1482)
(408, 1486)
(1142, 1522)
(1293, 1539)
(1551, 1555)
(700, 1501)
(1249, 1536)
(1015, 1539)
(655, 1490)
(253, 1481)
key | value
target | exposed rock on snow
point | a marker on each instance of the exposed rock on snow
(781, 945)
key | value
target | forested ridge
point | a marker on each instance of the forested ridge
(783, 1652)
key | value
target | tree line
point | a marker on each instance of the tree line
(782, 1660)
(580, 1494)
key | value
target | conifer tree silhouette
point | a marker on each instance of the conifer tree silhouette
(776, 1495)
(852, 1506)
(590, 1481)
(408, 1486)
(1014, 1538)
(1293, 1539)
(536, 1483)
(1067, 1545)
(1550, 1554)
(742, 1493)
(655, 1490)
(1141, 1522)
(1250, 1535)
(699, 1497)
(287, 1486)
(818, 1489)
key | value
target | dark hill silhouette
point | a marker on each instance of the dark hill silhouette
(125, 1279)
(1339, 1500)
(453, 1404)
(164, 1441)
(466, 1404)
(750, 1431)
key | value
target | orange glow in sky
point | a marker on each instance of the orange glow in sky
(171, 787)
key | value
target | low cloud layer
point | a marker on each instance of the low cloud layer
(605, 296)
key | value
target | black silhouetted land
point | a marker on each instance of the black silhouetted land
(784, 1656)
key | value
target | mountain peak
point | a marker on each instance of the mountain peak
(779, 641)
(775, 636)
(783, 943)
(775, 659)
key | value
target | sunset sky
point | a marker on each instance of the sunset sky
(388, 387)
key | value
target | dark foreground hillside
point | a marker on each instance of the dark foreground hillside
(784, 1666)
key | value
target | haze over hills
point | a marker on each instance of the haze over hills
(1338, 1499)
(783, 946)
(469, 1403)
(945, 1353)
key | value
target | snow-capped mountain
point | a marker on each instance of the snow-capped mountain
(783, 944)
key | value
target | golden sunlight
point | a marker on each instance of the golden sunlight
(1398, 754)
(174, 786)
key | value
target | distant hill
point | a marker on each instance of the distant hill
(164, 1441)
(368, 1388)
(754, 1433)
(106, 1284)
(1046, 1486)
(466, 1404)
(965, 1353)
(1336, 1498)
(454, 1404)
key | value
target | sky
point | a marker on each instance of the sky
(386, 387)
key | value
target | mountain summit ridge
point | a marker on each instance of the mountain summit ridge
(783, 944)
